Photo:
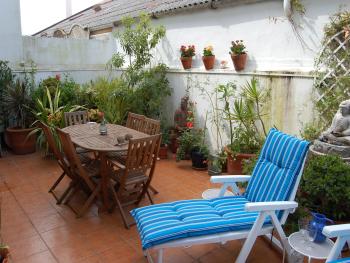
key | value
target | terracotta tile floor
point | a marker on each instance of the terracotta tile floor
(37, 230)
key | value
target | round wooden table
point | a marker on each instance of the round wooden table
(87, 136)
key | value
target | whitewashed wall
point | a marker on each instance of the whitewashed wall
(271, 41)
(10, 32)
(82, 59)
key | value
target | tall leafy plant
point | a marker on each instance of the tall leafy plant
(50, 111)
(6, 78)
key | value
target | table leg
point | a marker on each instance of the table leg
(104, 180)
(309, 261)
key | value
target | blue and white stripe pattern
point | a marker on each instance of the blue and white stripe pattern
(278, 165)
(341, 260)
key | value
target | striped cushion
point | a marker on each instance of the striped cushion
(341, 260)
(278, 166)
(161, 223)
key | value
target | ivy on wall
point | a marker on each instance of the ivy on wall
(332, 76)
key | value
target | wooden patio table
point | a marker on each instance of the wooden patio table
(87, 136)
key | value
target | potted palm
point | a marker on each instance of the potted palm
(238, 54)
(19, 136)
(186, 55)
(208, 58)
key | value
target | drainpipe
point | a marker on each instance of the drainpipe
(287, 6)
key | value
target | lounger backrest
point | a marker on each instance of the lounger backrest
(277, 169)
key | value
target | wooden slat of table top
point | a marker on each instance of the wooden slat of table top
(88, 136)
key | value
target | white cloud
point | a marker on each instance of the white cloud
(39, 14)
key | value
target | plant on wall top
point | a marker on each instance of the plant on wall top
(238, 47)
(208, 51)
(188, 51)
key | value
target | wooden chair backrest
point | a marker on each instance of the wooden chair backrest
(76, 117)
(135, 121)
(50, 140)
(151, 126)
(73, 158)
(142, 155)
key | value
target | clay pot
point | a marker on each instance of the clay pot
(209, 62)
(18, 141)
(239, 61)
(163, 151)
(235, 163)
(186, 62)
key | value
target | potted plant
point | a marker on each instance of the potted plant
(245, 112)
(186, 55)
(199, 157)
(163, 150)
(19, 136)
(238, 54)
(188, 140)
(208, 57)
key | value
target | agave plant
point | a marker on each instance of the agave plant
(18, 100)
(49, 111)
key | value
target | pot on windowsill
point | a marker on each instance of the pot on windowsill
(163, 151)
(235, 161)
(199, 160)
(209, 62)
(186, 62)
(239, 61)
(19, 141)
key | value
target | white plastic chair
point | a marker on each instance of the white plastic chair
(342, 233)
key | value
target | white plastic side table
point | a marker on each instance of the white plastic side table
(214, 193)
(308, 248)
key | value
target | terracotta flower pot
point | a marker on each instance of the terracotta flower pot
(239, 61)
(209, 62)
(163, 152)
(186, 62)
(17, 139)
(235, 163)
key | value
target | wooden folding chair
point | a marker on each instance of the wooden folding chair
(60, 160)
(151, 126)
(135, 121)
(88, 174)
(76, 117)
(133, 179)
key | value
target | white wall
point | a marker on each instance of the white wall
(272, 44)
(10, 32)
(82, 59)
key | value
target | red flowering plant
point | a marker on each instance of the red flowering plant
(190, 115)
(188, 51)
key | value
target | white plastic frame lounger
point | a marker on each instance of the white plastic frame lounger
(265, 205)
(342, 233)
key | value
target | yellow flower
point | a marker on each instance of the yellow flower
(209, 48)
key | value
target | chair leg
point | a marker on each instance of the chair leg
(249, 242)
(66, 192)
(126, 224)
(89, 201)
(149, 197)
(53, 187)
(154, 190)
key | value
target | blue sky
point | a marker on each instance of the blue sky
(38, 14)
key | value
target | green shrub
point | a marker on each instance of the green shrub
(325, 187)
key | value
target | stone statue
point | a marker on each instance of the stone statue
(339, 132)
(180, 116)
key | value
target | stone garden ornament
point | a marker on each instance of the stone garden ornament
(336, 139)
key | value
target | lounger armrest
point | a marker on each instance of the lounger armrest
(221, 179)
(270, 206)
(336, 230)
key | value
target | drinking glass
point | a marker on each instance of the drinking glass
(303, 228)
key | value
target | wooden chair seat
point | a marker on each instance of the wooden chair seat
(132, 179)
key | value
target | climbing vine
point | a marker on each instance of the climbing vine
(332, 76)
(332, 72)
